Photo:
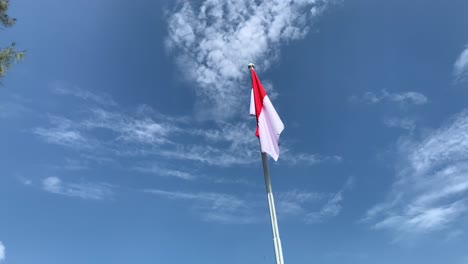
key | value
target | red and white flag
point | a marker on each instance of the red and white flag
(269, 124)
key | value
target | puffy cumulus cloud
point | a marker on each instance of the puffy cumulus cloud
(214, 41)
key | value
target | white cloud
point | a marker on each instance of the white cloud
(461, 66)
(213, 207)
(384, 96)
(89, 191)
(215, 40)
(2, 252)
(432, 180)
(64, 88)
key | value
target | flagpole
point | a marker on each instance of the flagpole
(271, 205)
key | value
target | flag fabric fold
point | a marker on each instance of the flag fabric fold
(269, 124)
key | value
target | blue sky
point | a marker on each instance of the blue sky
(125, 135)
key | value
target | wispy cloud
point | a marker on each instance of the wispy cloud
(25, 181)
(12, 110)
(403, 123)
(131, 128)
(228, 208)
(431, 182)
(63, 88)
(2, 252)
(460, 68)
(75, 164)
(83, 161)
(464, 260)
(91, 191)
(312, 207)
(385, 96)
(160, 171)
(101, 136)
(126, 134)
(294, 202)
(230, 180)
(213, 207)
(113, 133)
(63, 132)
(14, 106)
(332, 207)
(226, 145)
(453, 235)
(294, 158)
(213, 42)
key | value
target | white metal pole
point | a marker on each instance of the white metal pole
(271, 205)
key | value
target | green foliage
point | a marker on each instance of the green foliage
(8, 55)
(6, 20)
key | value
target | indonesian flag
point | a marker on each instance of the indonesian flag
(269, 124)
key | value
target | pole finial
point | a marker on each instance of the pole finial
(251, 66)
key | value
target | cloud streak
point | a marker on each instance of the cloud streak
(294, 202)
(213, 207)
(385, 96)
(304, 204)
(62, 133)
(460, 68)
(431, 183)
(215, 40)
(158, 170)
(332, 207)
(112, 133)
(88, 191)
(2, 252)
(403, 123)
(63, 88)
